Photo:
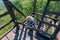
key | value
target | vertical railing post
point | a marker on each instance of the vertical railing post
(34, 7)
(11, 12)
(44, 13)
(43, 16)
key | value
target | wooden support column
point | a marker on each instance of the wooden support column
(11, 12)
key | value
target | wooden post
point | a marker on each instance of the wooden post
(44, 13)
(11, 12)
(56, 32)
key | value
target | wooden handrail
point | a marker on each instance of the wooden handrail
(56, 13)
(47, 17)
(1, 27)
(28, 27)
(4, 14)
(13, 6)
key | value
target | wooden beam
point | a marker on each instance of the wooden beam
(7, 32)
(4, 14)
(1, 27)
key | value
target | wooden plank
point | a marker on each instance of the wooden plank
(7, 32)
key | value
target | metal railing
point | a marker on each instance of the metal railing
(10, 8)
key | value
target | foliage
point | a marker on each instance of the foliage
(26, 6)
